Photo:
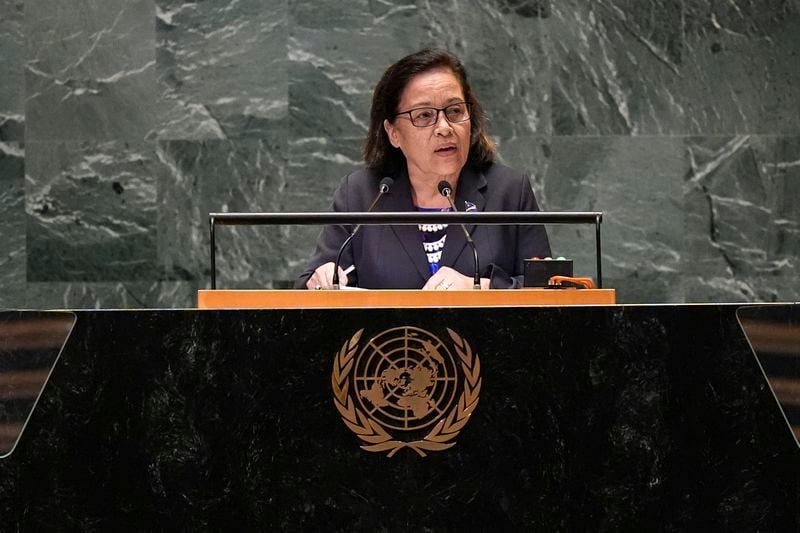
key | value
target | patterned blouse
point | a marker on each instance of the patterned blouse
(433, 237)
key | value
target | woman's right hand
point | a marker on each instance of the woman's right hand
(322, 278)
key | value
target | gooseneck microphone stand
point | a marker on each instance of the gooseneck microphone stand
(447, 192)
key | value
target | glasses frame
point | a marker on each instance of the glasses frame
(438, 110)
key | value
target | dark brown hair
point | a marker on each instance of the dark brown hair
(383, 158)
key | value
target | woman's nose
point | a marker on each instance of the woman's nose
(442, 126)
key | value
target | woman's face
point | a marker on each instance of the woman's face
(438, 151)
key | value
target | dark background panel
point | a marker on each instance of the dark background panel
(677, 119)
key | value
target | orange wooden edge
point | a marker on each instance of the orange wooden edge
(302, 299)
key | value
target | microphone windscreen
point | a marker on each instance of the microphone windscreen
(444, 188)
(385, 184)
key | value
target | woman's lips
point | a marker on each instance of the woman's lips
(446, 151)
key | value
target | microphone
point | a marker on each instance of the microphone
(383, 188)
(446, 191)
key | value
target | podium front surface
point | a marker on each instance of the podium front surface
(508, 418)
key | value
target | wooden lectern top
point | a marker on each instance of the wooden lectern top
(303, 299)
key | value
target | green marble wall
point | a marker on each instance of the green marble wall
(124, 122)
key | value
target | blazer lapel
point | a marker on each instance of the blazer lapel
(471, 184)
(408, 235)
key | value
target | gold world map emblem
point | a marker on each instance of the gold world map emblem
(406, 388)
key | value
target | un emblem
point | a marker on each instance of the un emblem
(406, 388)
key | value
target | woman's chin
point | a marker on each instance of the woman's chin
(446, 168)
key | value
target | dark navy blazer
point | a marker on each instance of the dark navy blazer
(392, 257)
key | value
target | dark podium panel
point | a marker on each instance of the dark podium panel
(600, 418)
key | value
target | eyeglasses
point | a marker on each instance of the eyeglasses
(424, 117)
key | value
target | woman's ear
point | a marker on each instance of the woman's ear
(391, 132)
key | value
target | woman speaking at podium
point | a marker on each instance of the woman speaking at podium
(426, 127)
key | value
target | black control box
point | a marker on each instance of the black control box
(539, 271)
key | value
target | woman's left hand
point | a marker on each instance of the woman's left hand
(448, 279)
